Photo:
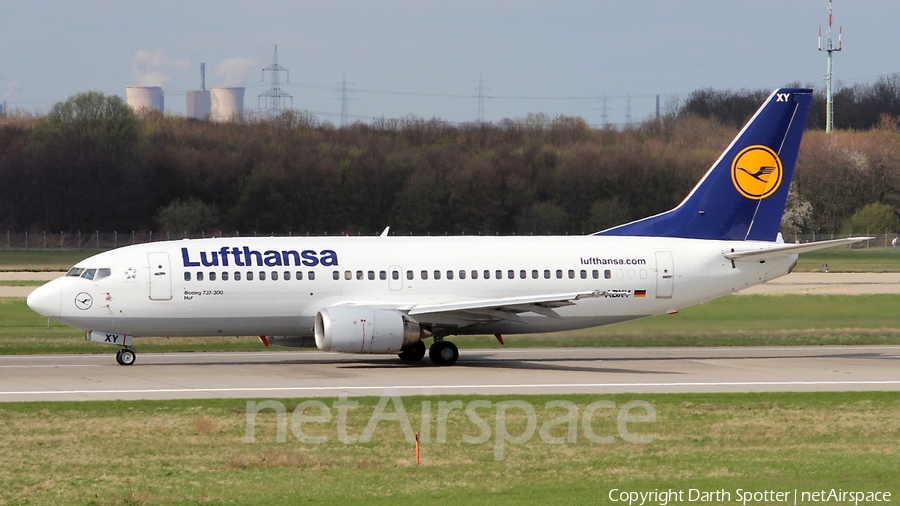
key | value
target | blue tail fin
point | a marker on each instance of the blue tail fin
(742, 196)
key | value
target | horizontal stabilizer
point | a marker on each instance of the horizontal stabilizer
(781, 250)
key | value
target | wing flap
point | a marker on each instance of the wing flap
(507, 308)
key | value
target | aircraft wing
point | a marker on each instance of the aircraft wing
(780, 250)
(507, 308)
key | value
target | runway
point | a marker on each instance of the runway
(513, 371)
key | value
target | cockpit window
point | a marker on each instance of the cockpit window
(103, 273)
(89, 273)
(75, 272)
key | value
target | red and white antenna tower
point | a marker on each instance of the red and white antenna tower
(829, 47)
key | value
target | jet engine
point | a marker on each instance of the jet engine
(356, 329)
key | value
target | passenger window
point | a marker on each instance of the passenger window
(187, 276)
(630, 273)
(462, 274)
(449, 274)
(498, 274)
(89, 273)
(249, 276)
(262, 275)
(487, 274)
(382, 275)
(522, 274)
(424, 274)
(74, 272)
(212, 276)
(237, 275)
(643, 273)
(437, 274)
(619, 274)
(474, 274)
(546, 273)
(274, 275)
(371, 275)
(607, 274)
(200, 276)
(511, 274)
(348, 275)
(595, 274)
(395, 275)
(571, 274)
(409, 274)
(298, 275)
(534, 274)
(287, 275)
(583, 274)
(102, 273)
(224, 275)
(311, 275)
(558, 273)
(336, 275)
(359, 275)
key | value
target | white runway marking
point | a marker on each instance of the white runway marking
(440, 387)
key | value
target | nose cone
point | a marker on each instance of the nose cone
(46, 299)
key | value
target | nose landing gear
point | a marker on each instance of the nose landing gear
(126, 356)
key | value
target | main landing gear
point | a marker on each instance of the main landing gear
(413, 353)
(440, 353)
(126, 356)
(443, 353)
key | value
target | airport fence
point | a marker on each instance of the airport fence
(99, 240)
(115, 239)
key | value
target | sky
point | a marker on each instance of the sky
(427, 58)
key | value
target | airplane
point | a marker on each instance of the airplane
(388, 294)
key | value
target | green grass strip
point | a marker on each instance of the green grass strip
(194, 451)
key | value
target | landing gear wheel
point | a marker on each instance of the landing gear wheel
(413, 353)
(443, 353)
(125, 357)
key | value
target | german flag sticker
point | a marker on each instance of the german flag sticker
(640, 293)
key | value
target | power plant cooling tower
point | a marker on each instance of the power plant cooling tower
(144, 97)
(226, 102)
(199, 104)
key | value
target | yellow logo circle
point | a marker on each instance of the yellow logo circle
(756, 172)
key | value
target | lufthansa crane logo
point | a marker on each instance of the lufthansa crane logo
(756, 172)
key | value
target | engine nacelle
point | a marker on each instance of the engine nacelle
(356, 329)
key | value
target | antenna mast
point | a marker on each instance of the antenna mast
(481, 90)
(344, 114)
(275, 93)
(829, 47)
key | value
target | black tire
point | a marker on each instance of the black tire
(443, 353)
(126, 357)
(413, 353)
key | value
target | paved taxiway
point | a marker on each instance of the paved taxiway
(513, 371)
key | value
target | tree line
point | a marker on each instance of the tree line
(91, 164)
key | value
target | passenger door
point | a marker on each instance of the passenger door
(160, 276)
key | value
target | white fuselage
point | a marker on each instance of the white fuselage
(191, 287)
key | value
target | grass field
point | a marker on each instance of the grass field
(756, 320)
(838, 260)
(850, 260)
(193, 451)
